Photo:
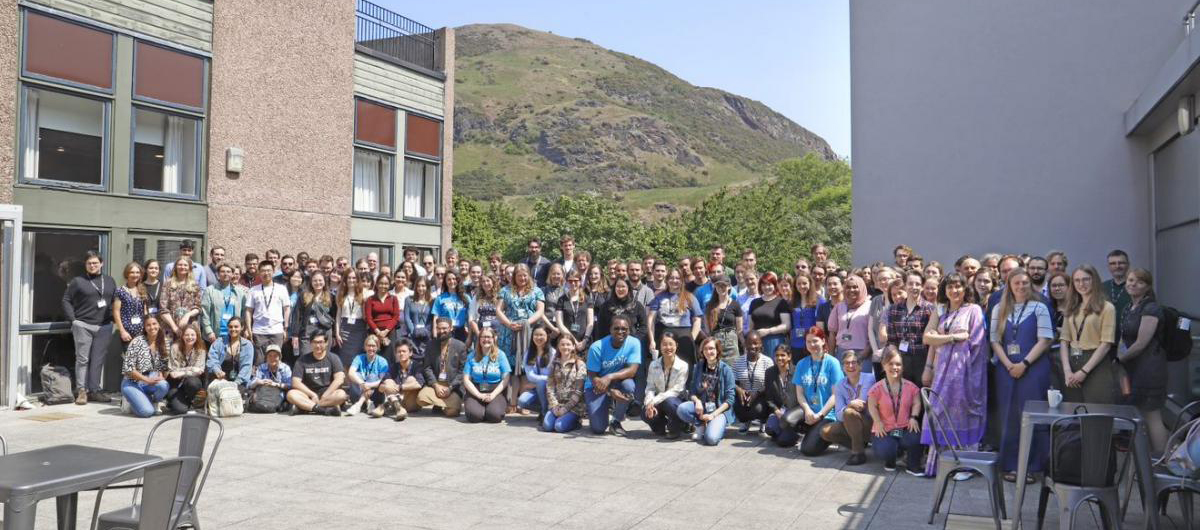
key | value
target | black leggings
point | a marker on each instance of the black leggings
(492, 412)
(183, 392)
(756, 410)
(813, 444)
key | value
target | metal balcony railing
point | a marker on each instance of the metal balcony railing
(391, 35)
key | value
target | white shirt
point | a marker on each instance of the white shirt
(657, 387)
(267, 306)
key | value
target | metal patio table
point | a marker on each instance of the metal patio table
(1040, 413)
(61, 471)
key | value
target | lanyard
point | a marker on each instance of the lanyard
(895, 400)
(750, 366)
(268, 298)
(157, 287)
(1020, 317)
(814, 371)
(948, 320)
(100, 288)
(667, 375)
(228, 298)
(1079, 329)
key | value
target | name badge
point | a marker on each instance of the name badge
(904, 346)
(421, 325)
(1014, 349)
(442, 376)
(846, 337)
(153, 310)
(312, 320)
(135, 320)
(1076, 352)
(1185, 324)
(487, 323)
(352, 318)
(101, 304)
(227, 316)
(575, 328)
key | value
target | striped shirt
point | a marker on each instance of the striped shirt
(751, 376)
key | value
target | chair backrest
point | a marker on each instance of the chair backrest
(1090, 436)
(193, 435)
(943, 432)
(162, 481)
(1186, 414)
(3, 446)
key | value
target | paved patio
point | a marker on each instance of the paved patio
(281, 472)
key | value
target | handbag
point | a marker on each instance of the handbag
(1182, 456)
(265, 399)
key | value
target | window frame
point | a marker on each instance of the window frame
(199, 149)
(441, 137)
(204, 90)
(375, 246)
(390, 212)
(436, 219)
(25, 73)
(105, 140)
(27, 278)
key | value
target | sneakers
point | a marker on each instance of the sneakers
(616, 428)
(915, 472)
(97, 397)
(890, 465)
(963, 475)
(81, 397)
(856, 459)
(695, 436)
(377, 412)
(745, 428)
(327, 411)
(672, 435)
(401, 414)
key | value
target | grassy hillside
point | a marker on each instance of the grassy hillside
(539, 115)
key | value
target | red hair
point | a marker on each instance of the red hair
(770, 278)
(815, 330)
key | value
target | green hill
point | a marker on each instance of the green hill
(540, 115)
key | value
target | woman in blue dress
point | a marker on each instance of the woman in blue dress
(453, 304)
(1021, 333)
(520, 304)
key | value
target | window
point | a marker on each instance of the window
(372, 182)
(374, 124)
(53, 259)
(423, 136)
(421, 190)
(168, 76)
(360, 250)
(68, 52)
(163, 248)
(165, 152)
(62, 138)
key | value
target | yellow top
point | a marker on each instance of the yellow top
(1092, 329)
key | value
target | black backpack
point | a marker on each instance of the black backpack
(1176, 341)
(1068, 453)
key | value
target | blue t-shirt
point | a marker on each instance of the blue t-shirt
(802, 319)
(228, 311)
(448, 305)
(703, 294)
(604, 359)
(487, 370)
(671, 315)
(370, 371)
(818, 381)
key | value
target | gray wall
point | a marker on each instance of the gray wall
(987, 118)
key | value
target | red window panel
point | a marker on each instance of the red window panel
(374, 123)
(63, 50)
(423, 136)
(169, 76)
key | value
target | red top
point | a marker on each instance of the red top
(383, 314)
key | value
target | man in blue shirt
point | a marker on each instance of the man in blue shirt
(612, 363)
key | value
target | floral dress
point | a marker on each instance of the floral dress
(132, 311)
(177, 300)
(517, 307)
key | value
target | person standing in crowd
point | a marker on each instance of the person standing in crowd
(900, 255)
(211, 272)
(877, 313)
(365, 380)
(315, 315)
(538, 361)
(382, 315)
(684, 265)
(187, 249)
(666, 387)
(852, 427)
(1118, 268)
(287, 266)
(521, 304)
(185, 367)
(564, 389)
(819, 253)
(967, 266)
(983, 284)
(933, 271)
(575, 313)
(724, 317)
(712, 395)
(833, 298)
(129, 304)
(556, 283)
(770, 315)
(484, 304)
(847, 323)
(317, 381)
(566, 246)
(612, 364)
(144, 364)
(249, 276)
(702, 289)
(444, 360)
(641, 292)
(221, 302)
(1037, 269)
(453, 304)
(750, 376)
(1087, 341)
(907, 321)
(748, 295)
(658, 277)
(373, 265)
(957, 368)
(1057, 261)
(1059, 285)
(895, 407)
(675, 310)
(537, 264)
(815, 378)
(1142, 356)
(180, 302)
(418, 314)
(804, 311)
(487, 374)
(1020, 336)
(351, 329)
(991, 261)
(596, 287)
(87, 304)
(153, 286)
(268, 308)
(231, 356)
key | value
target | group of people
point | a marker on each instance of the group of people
(815, 356)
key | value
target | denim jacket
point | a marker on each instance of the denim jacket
(725, 389)
(216, 355)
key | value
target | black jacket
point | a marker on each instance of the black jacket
(777, 394)
(457, 353)
(81, 299)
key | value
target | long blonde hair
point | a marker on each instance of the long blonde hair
(1094, 305)
(1009, 301)
(325, 299)
(494, 354)
(189, 284)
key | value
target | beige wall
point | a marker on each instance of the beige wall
(447, 63)
(282, 90)
(9, 63)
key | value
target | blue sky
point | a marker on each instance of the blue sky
(792, 55)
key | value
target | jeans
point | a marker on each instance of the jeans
(598, 405)
(91, 347)
(567, 423)
(142, 396)
(667, 418)
(888, 447)
(781, 433)
(534, 399)
(713, 431)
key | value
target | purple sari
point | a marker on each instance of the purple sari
(960, 379)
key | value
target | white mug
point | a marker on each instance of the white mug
(1054, 397)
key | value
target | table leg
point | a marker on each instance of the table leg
(1022, 467)
(1145, 471)
(20, 513)
(67, 510)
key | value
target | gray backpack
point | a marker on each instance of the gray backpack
(56, 385)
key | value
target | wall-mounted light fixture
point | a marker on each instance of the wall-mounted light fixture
(233, 160)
